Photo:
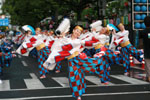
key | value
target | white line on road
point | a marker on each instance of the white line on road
(129, 79)
(34, 84)
(33, 76)
(136, 67)
(95, 94)
(63, 81)
(5, 85)
(24, 63)
(19, 56)
(95, 80)
(69, 87)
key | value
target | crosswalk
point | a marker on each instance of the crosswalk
(129, 79)
(24, 63)
(5, 85)
(62, 82)
(95, 80)
(30, 81)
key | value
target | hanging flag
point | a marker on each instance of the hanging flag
(104, 22)
(117, 21)
(129, 17)
(126, 20)
(107, 21)
(111, 21)
(122, 20)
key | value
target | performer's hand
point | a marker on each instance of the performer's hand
(93, 30)
(82, 42)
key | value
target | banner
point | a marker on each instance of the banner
(4, 22)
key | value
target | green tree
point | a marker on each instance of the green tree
(89, 14)
(33, 11)
(78, 6)
(117, 8)
(30, 11)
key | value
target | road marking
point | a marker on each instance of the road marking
(19, 56)
(69, 87)
(24, 63)
(143, 75)
(34, 84)
(129, 79)
(33, 76)
(136, 67)
(63, 81)
(95, 80)
(5, 85)
(117, 93)
(68, 96)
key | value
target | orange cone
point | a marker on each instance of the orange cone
(131, 61)
(143, 64)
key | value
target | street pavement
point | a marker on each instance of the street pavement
(21, 81)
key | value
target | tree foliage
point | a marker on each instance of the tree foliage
(33, 11)
(117, 8)
(24, 11)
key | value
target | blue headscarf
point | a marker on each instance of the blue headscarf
(32, 30)
(29, 28)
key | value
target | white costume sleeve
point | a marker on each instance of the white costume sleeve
(118, 38)
(61, 49)
(27, 46)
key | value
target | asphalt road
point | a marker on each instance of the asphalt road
(21, 81)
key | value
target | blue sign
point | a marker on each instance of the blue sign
(4, 22)
(1, 33)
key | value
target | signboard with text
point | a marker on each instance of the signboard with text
(4, 22)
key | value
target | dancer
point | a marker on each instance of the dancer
(121, 38)
(42, 43)
(33, 52)
(7, 52)
(100, 40)
(78, 62)
(38, 42)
